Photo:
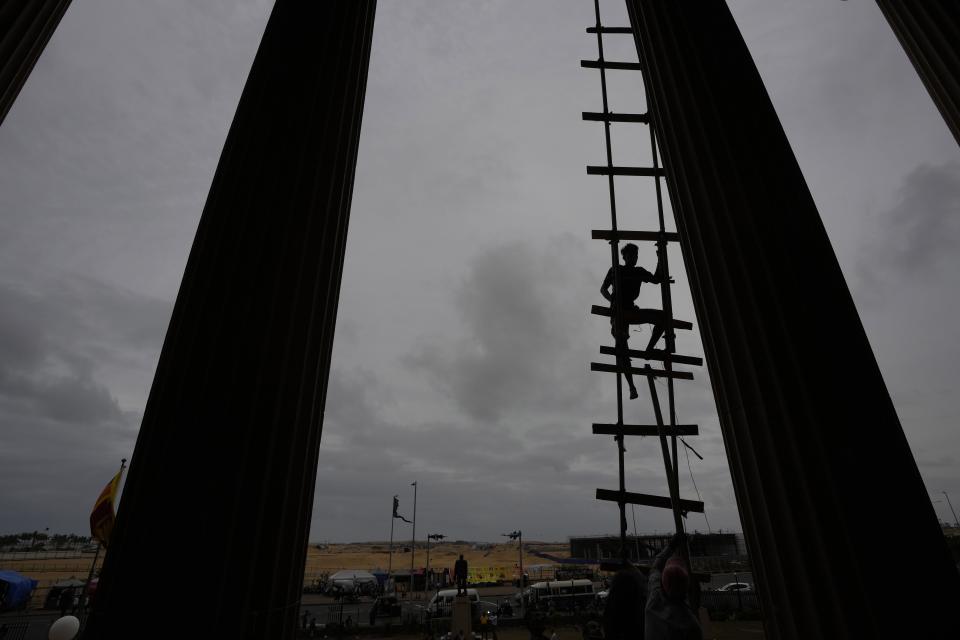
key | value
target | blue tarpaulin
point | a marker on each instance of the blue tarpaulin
(16, 589)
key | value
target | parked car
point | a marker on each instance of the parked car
(736, 586)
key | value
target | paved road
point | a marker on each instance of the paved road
(326, 610)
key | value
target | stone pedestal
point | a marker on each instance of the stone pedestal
(461, 618)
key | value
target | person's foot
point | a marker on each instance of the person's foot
(633, 393)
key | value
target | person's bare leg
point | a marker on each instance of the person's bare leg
(623, 360)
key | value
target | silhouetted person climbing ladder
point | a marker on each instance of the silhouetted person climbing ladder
(631, 277)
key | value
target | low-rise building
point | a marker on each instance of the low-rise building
(643, 548)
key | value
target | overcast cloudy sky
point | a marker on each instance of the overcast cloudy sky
(464, 337)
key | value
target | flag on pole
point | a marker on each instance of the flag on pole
(396, 505)
(102, 516)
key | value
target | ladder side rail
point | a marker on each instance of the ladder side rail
(667, 297)
(615, 265)
(671, 484)
(666, 294)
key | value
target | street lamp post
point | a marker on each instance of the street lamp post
(956, 522)
(518, 535)
(431, 536)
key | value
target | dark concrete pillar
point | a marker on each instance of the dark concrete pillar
(25, 29)
(842, 536)
(929, 32)
(212, 528)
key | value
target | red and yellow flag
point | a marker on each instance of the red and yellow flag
(102, 516)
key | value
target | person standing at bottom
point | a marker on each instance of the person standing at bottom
(65, 600)
(623, 611)
(460, 575)
(667, 615)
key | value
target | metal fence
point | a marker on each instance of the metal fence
(52, 554)
(27, 626)
(14, 630)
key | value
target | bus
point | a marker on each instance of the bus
(562, 595)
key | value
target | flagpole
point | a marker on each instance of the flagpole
(413, 543)
(390, 561)
(93, 565)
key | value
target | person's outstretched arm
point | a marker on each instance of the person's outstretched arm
(653, 580)
(657, 277)
(668, 551)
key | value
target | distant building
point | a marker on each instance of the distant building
(645, 547)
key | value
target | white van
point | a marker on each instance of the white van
(442, 601)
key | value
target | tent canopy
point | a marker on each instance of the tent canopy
(357, 575)
(18, 589)
(69, 582)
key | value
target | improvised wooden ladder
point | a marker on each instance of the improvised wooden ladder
(667, 431)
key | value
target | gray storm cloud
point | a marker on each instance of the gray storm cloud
(464, 341)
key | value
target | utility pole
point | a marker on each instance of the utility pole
(413, 542)
(393, 517)
(956, 522)
(518, 535)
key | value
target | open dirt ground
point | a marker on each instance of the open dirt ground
(375, 555)
(320, 561)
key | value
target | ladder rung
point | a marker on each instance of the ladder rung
(655, 354)
(645, 430)
(610, 30)
(628, 497)
(631, 317)
(625, 171)
(645, 371)
(609, 64)
(599, 116)
(620, 234)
